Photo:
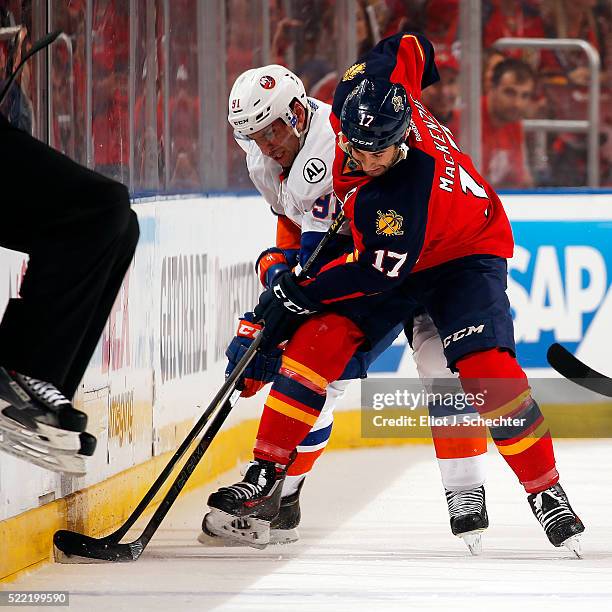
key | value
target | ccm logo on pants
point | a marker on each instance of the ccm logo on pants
(463, 333)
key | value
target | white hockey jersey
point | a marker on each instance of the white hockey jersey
(305, 196)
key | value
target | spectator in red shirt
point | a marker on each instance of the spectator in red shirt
(441, 97)
(503, 139)
(442, 24)
(509, 18)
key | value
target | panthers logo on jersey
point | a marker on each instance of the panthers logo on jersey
(389, 223)
(353, 71)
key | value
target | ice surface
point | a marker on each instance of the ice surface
(375, 536)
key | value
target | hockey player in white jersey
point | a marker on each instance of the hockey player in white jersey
(289, 145)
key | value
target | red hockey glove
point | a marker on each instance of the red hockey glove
(270, 264)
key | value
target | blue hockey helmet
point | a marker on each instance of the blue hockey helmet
(376, 115)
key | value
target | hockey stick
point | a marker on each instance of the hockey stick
(40, 44)
(108, 548)
(571, 367)
(331, 232)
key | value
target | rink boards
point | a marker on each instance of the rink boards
(161, 355)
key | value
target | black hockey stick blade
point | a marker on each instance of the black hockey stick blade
(40, 44)
(73, 544)
(571, 367)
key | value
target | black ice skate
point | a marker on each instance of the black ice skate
(244, 511)
(38, 424)
(468, 516)
(561, 524)
(284, 527)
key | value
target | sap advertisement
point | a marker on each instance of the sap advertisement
(560, 281)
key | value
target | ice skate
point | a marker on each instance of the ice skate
(244, 512)
(561, 524)
(468, 516)
(38, 424)
(283, 528)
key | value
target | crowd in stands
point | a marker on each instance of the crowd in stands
(516, 84)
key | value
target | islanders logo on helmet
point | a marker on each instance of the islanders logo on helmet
(267, 82)
(389, 223)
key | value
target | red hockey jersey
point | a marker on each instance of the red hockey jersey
(428, 209)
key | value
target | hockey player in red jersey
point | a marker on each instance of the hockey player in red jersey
(429, 232)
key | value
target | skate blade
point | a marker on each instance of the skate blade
(72, 465)
(573, 544)
(473, 540)
(277, 536)
(35, 444)
(284, 536)
(211, 540)
(247, 531)
(58, 440)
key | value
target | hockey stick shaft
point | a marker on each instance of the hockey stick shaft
(572, 368)
(40, 44)
(227, 387)
(186, 471)
(331, 232)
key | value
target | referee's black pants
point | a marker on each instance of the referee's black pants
(80, 233)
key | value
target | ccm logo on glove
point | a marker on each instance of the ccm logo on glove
(288, 304)
(247, 330)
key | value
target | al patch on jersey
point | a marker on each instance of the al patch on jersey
(314, 170)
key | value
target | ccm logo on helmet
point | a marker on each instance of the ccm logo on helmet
(464, 333)
(362, 142)
(267, 82)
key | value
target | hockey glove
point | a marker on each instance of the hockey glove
(270, 264)
(282, 308)
(263, 366)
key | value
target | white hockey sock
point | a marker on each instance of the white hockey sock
(463, 473)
